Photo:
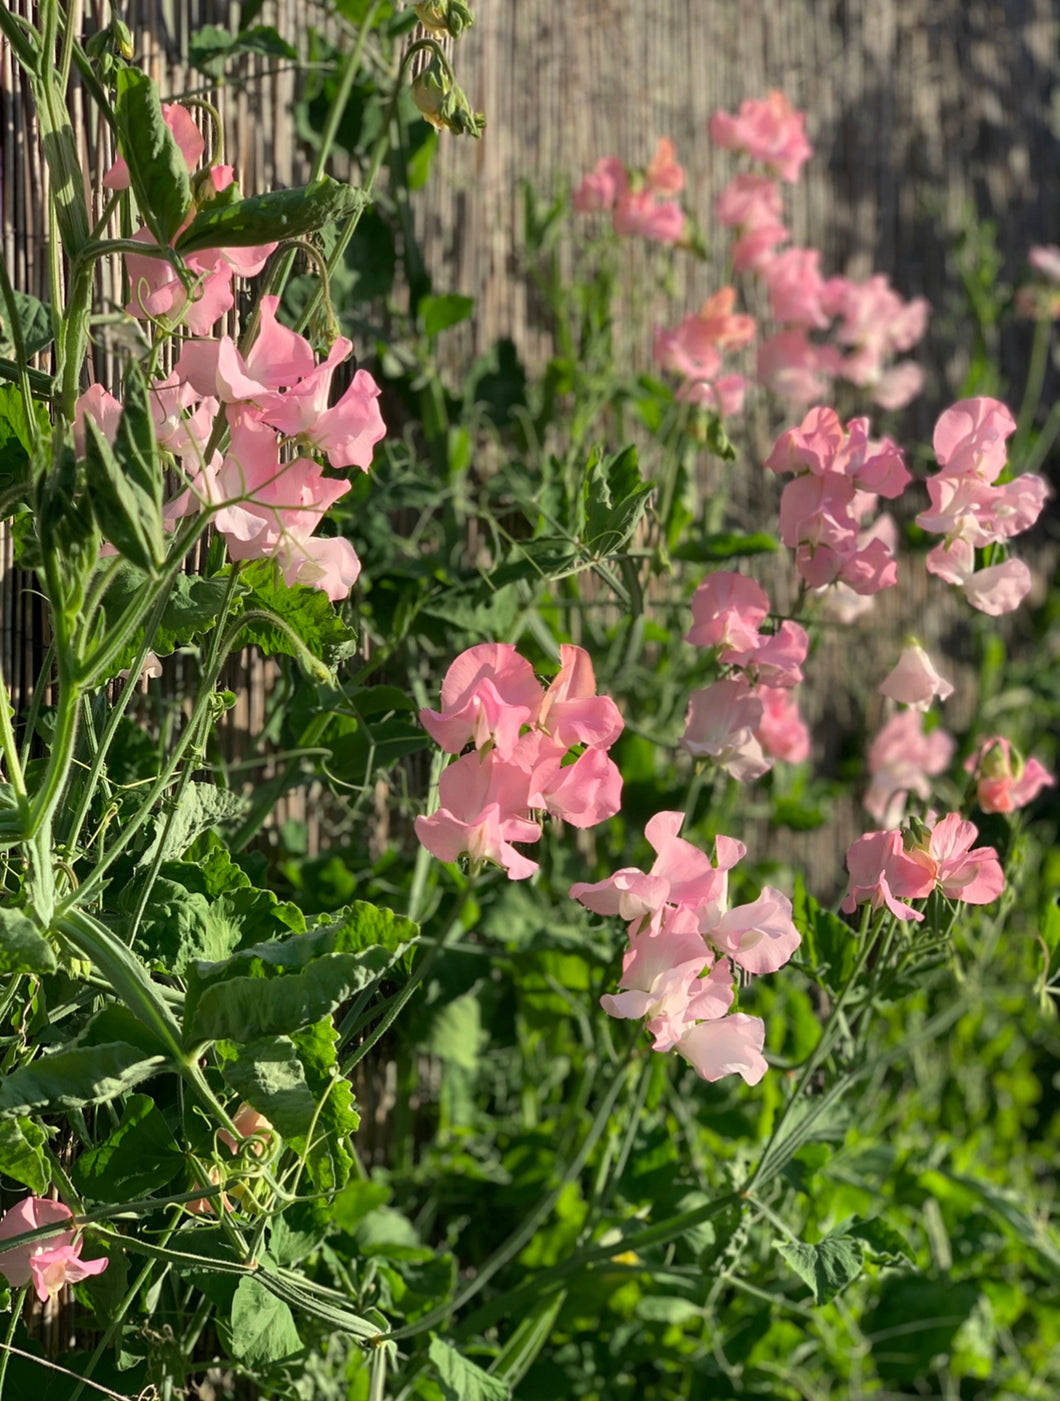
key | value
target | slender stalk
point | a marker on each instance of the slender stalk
(17, 1300)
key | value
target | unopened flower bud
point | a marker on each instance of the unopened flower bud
(916, 835)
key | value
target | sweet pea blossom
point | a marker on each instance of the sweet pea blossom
(769, 130)
(877, 862)
(946, 859)
(683, 939)
(489, 693)
(49, 1262)
(727, 610)
(903, 759)
(914, 681)
(481, 799)
(1005, 780)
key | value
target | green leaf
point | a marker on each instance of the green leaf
(35, 320)
(23, 949)
(272, 217)
(307, 612)
(274, 988)
(439, 313)
(200, 807)
(456, 1034)
(212, 47)
(76, 1077)
(127, 517)
(260, 1003)
(22, 1154)
(296, 1085)
(140, 1157)
(262, 1326)
(827, 1267)
(355, 1201)
(883, 1244)
(158, 172)
(614, 497)
(830, 945)
(461, 1380)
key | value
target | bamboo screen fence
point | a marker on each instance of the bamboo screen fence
(927, 116)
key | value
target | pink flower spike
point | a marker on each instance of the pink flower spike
(759, 937)
(727, 610)
(641, 215)
(914, 681)
(731, 1046)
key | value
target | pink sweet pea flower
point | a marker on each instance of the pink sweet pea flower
(1005, 781)
(753, 249)
(49, 1262)
(749, 202)
(902, 760)
(792, 367)
(914, 681)
(731, 1046)
(946, 859)
(770, 130)
(775, 659)
(665, 175)
(898, 386)
(727, 610)
(970, 438)
(724, 395)
(571, 711)
(793, 280)
(721, 725)
(326, 563)
(102, 408)
(662, 980)
(876, 863)
(760, 937)
(483, 806)
(584, 793)
(641, 215)
(489, 693)
(601, 189)
(781, 732)
(158, 293)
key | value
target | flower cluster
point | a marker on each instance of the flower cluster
(868, 322)
(839, 473)
(683, 940)
(1004, 780)
(267, 490)
(524, 759)
(973, 511)
(693, 351)
(158, 293)
(889, 868)
(50, 1262)
(747, 720)
(641, 204)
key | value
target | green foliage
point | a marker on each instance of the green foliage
(158, 173)
(213, 48)
(233, 222)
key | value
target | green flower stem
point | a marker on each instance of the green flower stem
(197, 723)
(1044, 441)
(1043, 331)
(832, 1028)
(530, 1224)
(118, 1320)
(9, 746)
(18, 32)
(17, 1300)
